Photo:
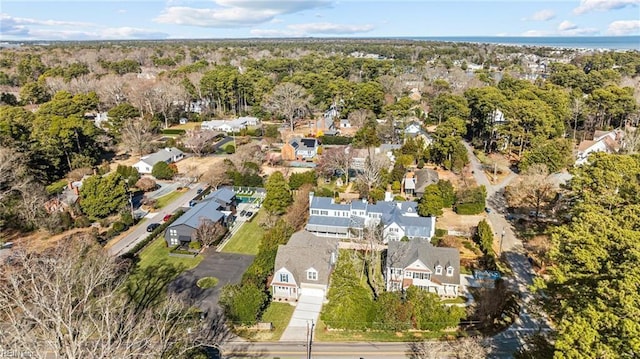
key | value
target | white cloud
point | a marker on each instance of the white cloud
(122, 11)
(235, 13)
(567, 28)
(274, 33)
(542, 15)
(624, 27)
(603, 5)
(567, 25)
(308, 29)
(536, 33)
(330, 28)
(35, 29)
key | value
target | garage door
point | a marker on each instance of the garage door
(312, 292)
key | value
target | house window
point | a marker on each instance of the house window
(449, 271)
(312, 275)
(324, 213)
(173, 232)
(394, 230)
(314, 211)
(420, 275)
(284, 277)
(396, 271)
(438, 270)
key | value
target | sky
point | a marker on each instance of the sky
(185, 19)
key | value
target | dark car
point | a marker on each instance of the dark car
(249, 214)
(199, 190)
(152, 227)
(242, 213)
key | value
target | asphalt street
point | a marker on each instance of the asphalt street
(140, 231)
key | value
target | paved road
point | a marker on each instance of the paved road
(334, 350)
(140, 232)
(531, 317)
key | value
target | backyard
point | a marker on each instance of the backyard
(157, 254)
(247, 239)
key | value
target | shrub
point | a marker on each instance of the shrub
(173, 131)
(335, 140)
(207, 282)
(195, 245)
(441, 232)
(230, 149)
(162, 170)
(82, 222)
(56, 187)
(470, 200)
(119, 227)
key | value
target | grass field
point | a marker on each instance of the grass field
(324, 335)
(279, 314)
(167, 198)
(157, 254)
(247, 239)
(187, 126)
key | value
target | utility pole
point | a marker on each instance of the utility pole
(310, 338)
(501, 239)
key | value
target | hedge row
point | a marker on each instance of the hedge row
(335, 140)
(138, 247)
(173, 131)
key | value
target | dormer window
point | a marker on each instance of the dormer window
(449, 271)
(312, 274)
(438, 270)
(284, 277)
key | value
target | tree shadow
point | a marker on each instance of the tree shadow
(147, 286)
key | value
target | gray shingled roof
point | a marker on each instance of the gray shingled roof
(402, 254)
(162, 155)
(306, 250)
(327, 203)
(222, 194)
(206, 209)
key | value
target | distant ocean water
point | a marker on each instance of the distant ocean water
(575, 42)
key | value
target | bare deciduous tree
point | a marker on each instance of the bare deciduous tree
(336, 159)
(534, 189)
(359, 117)
(111, 90)
(289, 100)
(208, 232)
(137, 135)
(371, 175)
(463, 348)
(216, 176)
(197, 140)
(146, 184)
(69, 301)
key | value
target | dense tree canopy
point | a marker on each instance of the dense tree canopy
(595, 274)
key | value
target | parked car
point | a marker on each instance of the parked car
(199, 190)
(249, 214)
(7, 245)
(242, 213)
(487, 209)
(167, 217)
(152, 227)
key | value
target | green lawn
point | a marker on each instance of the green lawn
(456, 300)
(157, 254)
(279, 314)
(247, 239)
(324, 335)
(168, 198)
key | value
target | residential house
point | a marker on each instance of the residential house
(301, 149)
(360, 155)
(347, 220)
(603, 141)
(412, 129)
(230, 126)
(167, 155)
(216, 207)
(408, 185)
(423, 178)
(325, 126)
(345, 123)
(303, 267)
(418, 263)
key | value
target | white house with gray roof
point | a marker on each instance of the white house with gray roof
(398, 219)
(303, 266)
(418, 263)
(167, 155)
